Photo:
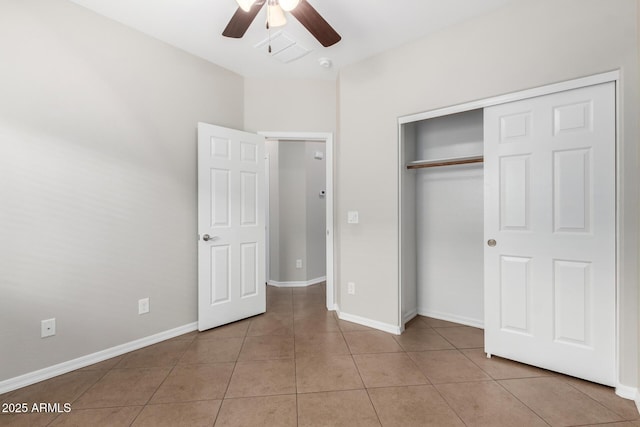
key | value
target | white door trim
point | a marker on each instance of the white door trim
(267, 183)
(327, 137)
(625, 262)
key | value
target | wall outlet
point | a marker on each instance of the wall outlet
(298, 263)
(143, 305)
(351, 288)
(47, 328)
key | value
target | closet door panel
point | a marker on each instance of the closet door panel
(572, 302)
(515, 128)
(515, 294)
(572, 190)
(514, 192)
(550, 290)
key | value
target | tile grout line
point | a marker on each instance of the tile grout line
(295, 360)
(434, 386)
(503, 387)
(444, 399)
(519, 400)
(161, 383)
(498, 381)
(592, 398)
(235, 364)
(366, 389)
(82, 394)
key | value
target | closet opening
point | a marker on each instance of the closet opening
(442, 224)
(524, 242)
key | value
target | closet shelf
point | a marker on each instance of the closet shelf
(444, 162)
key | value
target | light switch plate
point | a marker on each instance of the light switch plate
(351, 288)
(352, 217)
(143, 306)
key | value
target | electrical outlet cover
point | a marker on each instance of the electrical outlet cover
(47, 328)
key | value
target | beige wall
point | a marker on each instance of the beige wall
(292, 212)
(289, 105)
(315, 177)
(97, 180)
(526, 44)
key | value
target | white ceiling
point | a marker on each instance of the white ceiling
(367, 27)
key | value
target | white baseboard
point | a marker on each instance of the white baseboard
(452, 318)
(627, 392)
(408, 316)
(297, 284)
(83, 361)
(385, 327)
(637, 400)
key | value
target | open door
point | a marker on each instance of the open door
(231, 225)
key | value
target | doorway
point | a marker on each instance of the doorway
(319, 147)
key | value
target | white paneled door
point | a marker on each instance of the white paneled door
(231, 225)
(550, 274)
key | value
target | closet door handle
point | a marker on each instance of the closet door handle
(491, 242)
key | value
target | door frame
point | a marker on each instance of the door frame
(327, 138)
(626, 260)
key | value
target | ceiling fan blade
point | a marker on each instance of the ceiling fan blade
(241, 20)
(315, 24)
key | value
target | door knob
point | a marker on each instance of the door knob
(491, 242)
(206, 237)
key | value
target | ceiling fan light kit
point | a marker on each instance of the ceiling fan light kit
(288, 5)
(245, 4)
(275, 15)
(300, 9)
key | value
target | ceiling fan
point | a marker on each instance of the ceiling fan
(300, 9)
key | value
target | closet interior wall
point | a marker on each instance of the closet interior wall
(443, 220)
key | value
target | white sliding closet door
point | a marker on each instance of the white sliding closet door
(550, 284)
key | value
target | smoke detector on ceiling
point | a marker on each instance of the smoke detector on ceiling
(325, 62)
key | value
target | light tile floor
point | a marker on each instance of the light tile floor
(298, 365)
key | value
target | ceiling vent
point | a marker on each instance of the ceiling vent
(283, 47)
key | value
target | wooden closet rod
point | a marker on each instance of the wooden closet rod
(448, 162)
